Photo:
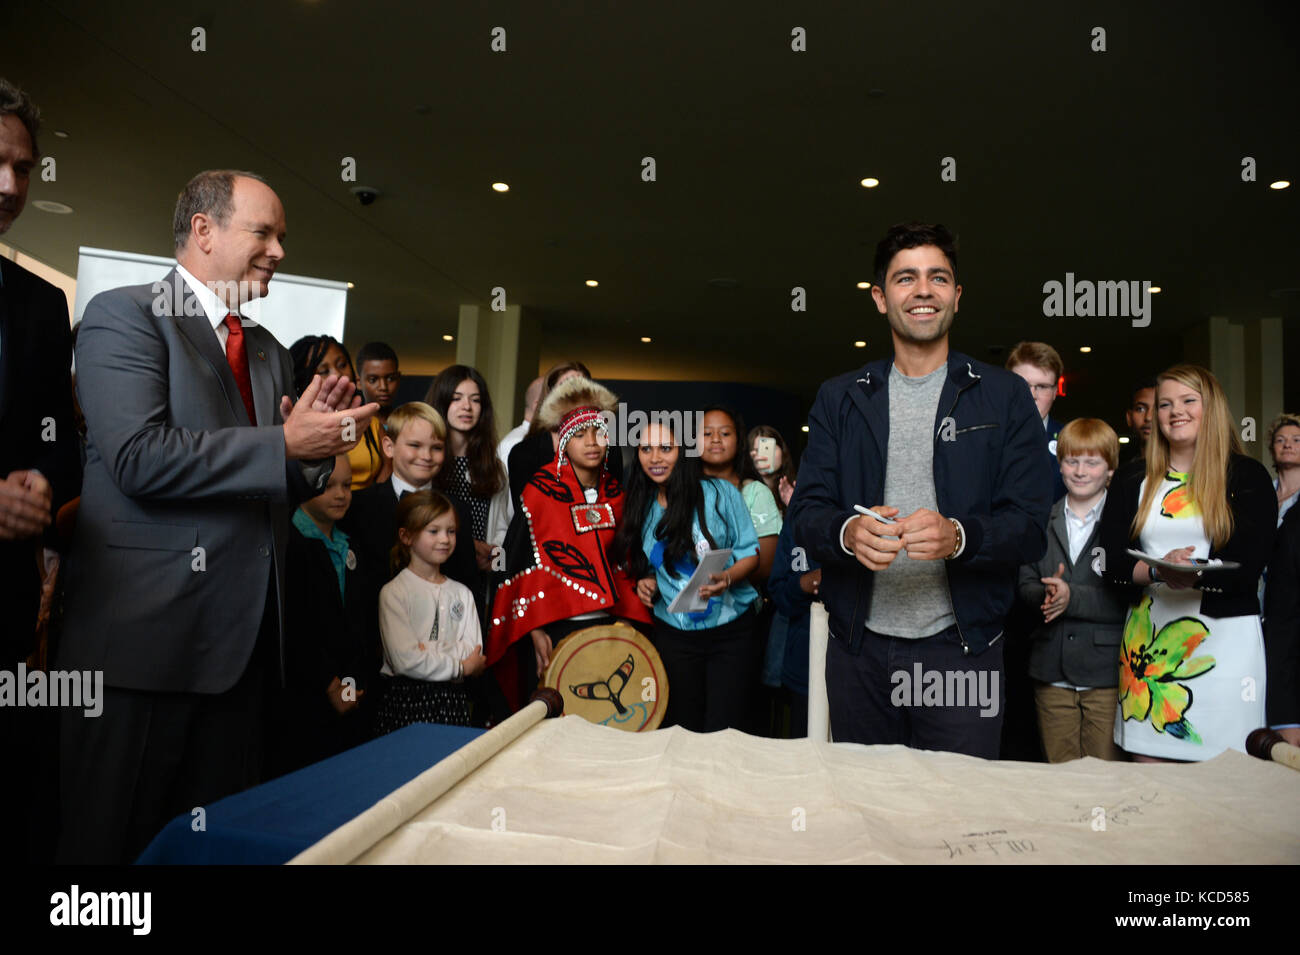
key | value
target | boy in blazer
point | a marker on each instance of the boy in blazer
(1074, 653)
(415, 440)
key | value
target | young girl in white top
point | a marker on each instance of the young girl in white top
(428, 622)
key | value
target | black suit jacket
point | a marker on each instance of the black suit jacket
(1282, 624)
(328, 634)
(37, 429)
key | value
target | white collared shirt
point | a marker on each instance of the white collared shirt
(215, 309)
(400, 487)
(1078, 529)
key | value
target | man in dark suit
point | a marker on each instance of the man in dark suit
(195, 457)
(40, 468)
(1041, 367)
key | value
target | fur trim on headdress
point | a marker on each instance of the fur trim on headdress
(575, 392)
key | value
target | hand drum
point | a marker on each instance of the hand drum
(610, 675)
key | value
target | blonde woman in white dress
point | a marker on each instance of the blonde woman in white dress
(1191, 667)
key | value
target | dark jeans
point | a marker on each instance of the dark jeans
(712, 674)
(877, 695)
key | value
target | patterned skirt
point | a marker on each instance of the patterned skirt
(406, 701)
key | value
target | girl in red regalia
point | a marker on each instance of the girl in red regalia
(562, 577)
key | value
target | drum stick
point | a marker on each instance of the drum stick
(1269, 744)
(350, 840)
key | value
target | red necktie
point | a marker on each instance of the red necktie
(238, 359)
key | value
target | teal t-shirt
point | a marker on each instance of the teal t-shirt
(730, 524)
(763, 509)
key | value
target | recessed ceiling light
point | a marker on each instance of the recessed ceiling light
(870, 183)
(1085, 348)
(1280, 184)
(1123, 440)
(859, 344)
(592, 283)
(58, 208)
(1155, 288)
(61, 133)
(864, 285)
(500, 187)
(646, 339)
(804, 429)
(448, 338)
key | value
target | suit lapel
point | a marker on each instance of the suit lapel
(194, 325)
(1062, 533)
(260, 354)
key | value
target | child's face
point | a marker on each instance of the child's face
(719, 434)
(657, 454)
(586, 449)
(417, 453)
(334, 362)
(465, 408)
(1086, 475)
(435, 542)
(379, 381)
(330, 505)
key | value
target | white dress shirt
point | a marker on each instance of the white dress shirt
(400, 487)
(1079, 528)
(215, 309)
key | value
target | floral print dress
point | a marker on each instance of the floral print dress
(1190, 686)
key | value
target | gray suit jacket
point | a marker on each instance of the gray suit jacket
(1082, 645)
(185, 507)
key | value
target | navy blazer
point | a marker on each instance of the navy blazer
(990, 473)
(1051, 435)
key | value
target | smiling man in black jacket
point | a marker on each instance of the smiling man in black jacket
(948, 449)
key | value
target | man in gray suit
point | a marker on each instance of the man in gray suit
(196, 456)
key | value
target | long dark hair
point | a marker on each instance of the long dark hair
(486, 476)
(685, 494)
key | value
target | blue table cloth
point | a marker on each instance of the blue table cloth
(273, 822)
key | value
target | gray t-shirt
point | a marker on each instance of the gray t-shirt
(910, 598)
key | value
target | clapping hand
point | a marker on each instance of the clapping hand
(25, 500)
(314, 426)
(1057, 598)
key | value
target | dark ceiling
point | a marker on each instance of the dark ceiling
(1123, 164)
